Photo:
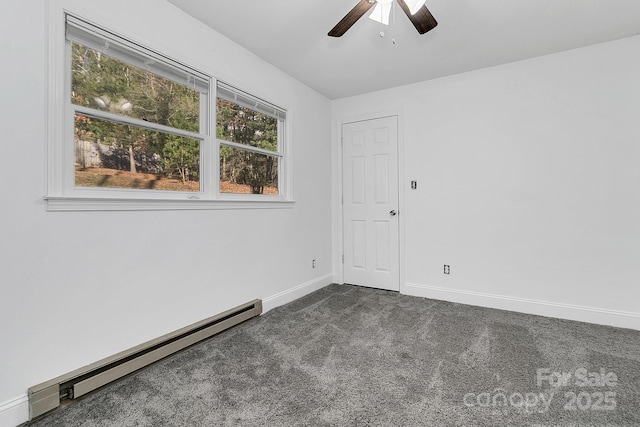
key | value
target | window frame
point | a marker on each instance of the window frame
(63, 195)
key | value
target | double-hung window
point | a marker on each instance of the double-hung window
(138, 128)
(250, 134)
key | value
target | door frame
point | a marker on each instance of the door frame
(338, 241)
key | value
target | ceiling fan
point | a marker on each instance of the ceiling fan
(417, 12)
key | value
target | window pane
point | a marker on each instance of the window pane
(105, 83)
(245, 172)
(115, 155)
(245, 126)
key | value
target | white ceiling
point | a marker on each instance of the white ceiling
(472, 34)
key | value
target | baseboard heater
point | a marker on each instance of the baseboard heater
(49, 395)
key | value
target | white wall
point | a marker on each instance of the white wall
(77, 287)
(528, 187)
(528, 179)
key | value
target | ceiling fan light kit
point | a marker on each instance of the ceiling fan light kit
(415, 10)
(382, 12)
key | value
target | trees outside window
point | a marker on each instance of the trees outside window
(249, 156)
(250, 134)
(111, 151)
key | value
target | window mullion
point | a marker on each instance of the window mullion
(208, 152)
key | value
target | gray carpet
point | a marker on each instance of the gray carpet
(352, 356)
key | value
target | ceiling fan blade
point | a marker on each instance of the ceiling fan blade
(423, 20)
(350, 18)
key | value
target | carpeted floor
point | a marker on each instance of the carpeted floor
(352, 356)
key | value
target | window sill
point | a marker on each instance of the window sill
(68, 204)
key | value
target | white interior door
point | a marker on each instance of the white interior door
(370, 203)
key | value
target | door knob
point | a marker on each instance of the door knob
(393, 213)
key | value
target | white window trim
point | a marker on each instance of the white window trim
(63, 196)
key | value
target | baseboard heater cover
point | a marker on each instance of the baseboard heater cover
(48, 395)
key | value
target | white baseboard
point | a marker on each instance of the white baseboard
(14, 411)
(295, 292)
(601, 316)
